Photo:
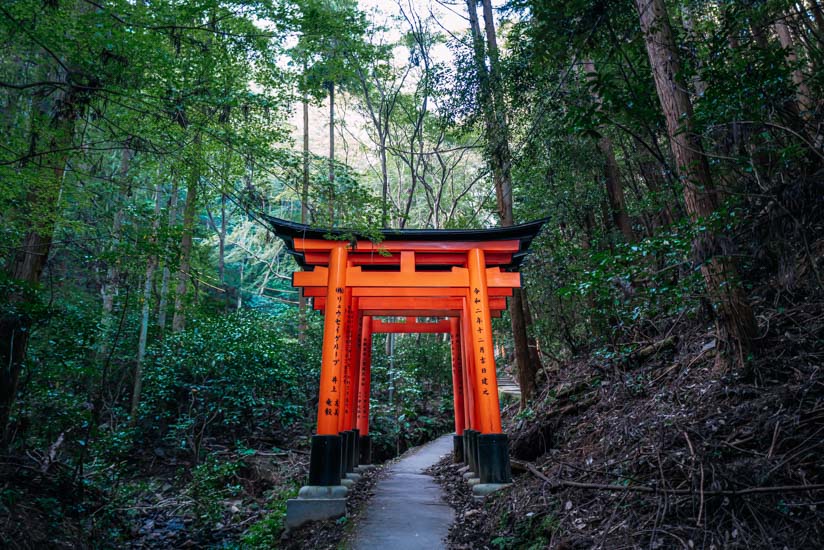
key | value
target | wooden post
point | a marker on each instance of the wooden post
(364, 388)
(457, 390)
(325, 453)
(457, 376)
(481, 323)
(334, 336)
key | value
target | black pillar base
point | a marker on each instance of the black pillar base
(466, 453)
(345, 456)
(493, 458)
(365, 451)
(325, 460)
(457, 448)
(355, 448)
(472, 447)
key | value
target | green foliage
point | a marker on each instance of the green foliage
(228, 374)
(266, 533)
(212, 483)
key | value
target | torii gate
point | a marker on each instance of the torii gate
(463, 275)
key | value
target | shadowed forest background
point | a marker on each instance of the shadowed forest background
(158, 373)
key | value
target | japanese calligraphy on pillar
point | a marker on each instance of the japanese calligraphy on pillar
(348, 366)
(482, 339)
(333, 403)
(366, 344)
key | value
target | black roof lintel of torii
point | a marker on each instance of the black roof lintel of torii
(525, 233)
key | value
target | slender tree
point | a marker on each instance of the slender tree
(735, 316)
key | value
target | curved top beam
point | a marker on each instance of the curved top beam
(524, 233)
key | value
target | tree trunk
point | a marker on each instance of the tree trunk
(689, 25)
(614, 186)
(151, 265)
(163, 302)
(497, 137)
(384, 183)
(184, 272)
(738, 328)
(803, 95)
(304, 212)
(221, 252)
(331, 154)
(52, 129)
(111, 285)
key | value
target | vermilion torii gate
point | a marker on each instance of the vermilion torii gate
(464, 276)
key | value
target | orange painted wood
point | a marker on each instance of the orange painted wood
(313, 292)
(457, 259)
(440, 327)
(319, 277)
(364, 377)
(346, 364)
(479, 305)
(458, 276)
(356, 277)
(413, 306)
(457, 375)
(334, 329)
(497, 278)
(353, 347)
(470, 402)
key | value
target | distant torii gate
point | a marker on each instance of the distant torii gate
(463, 275)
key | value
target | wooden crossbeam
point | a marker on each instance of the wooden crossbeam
(457, 259)
(458, 277)
(410, 327)
(358, 292)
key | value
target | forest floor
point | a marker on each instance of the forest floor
(661, 448)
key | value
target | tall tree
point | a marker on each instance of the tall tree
(493, 105)
(612, 175)
(736, 320)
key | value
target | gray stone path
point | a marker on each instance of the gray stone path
(407, 510)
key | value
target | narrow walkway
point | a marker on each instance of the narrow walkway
(408, 511)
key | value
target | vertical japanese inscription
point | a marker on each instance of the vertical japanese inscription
(333, 404)
(333, 330)
(348, 366)
(486, 384)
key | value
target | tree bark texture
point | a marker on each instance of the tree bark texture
(52, 129)
(497, 136)
(331, 154)
(163, 302)
(304, 211)
(186, 241)
(803, 94)
(151, 266)
(612, 174)
(738, 328)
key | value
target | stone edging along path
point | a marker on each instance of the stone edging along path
(407, 510)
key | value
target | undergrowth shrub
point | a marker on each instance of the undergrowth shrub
(229, 376)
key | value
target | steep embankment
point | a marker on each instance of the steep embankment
(658, 448)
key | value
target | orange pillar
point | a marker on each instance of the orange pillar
(364, 383)
(334, 333)
(343, 346)
(355, 345)
(457, 376)
(457, 391)
(470, 395)
(481, 323)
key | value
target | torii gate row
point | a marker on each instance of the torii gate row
(403, 263)
(355, 416)
(473, 413)
(464, 385)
